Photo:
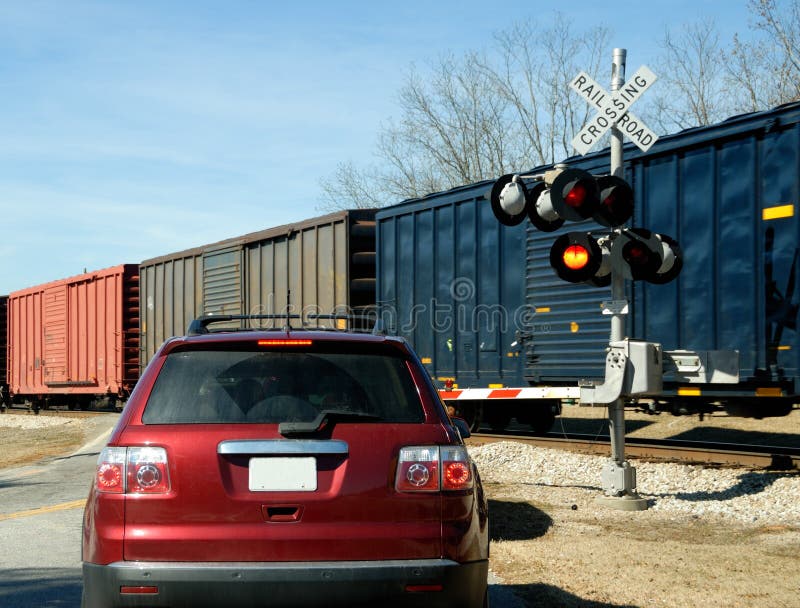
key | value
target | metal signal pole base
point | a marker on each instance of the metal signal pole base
(631, 502)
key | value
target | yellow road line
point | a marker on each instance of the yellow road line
(64, 506)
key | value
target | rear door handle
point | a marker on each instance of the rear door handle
(282, 513)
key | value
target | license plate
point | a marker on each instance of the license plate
(279, 474)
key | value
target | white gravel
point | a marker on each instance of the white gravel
(748, 496)
(27, 421)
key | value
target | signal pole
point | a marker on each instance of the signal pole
(618, 477)
(564, 193)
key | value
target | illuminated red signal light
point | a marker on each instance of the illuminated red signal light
(574, 195)
(577, 257)
(284, 342)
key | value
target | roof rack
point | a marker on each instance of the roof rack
(355, 323)
(200, 325)
(378, 328)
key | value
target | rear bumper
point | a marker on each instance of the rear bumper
(405, 583)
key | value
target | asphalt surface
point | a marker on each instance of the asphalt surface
(41, 509)
(41, 512)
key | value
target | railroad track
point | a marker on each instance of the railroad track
(19, 408)
(727, 454)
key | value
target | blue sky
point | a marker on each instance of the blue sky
(130, 130)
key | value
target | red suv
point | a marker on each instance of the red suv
(285, 468)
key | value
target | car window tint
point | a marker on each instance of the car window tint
(216, 386)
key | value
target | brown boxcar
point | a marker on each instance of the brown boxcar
(323, 265)
(74, 340)
(3, 345)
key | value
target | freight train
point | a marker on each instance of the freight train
(508, 333)
(503, 336)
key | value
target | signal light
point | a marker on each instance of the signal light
(574, 195)
(509, 200)
(568, 194)
(562, 195)
(616, 201)
(643, 255)
(578, 257)
(541, 212)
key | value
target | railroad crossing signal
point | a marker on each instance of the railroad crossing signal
(613, 109)
(641, 254)
(577, 257)
(562, 195)
(635, 253)
(569, 194)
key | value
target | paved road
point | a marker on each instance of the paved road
(41, 509)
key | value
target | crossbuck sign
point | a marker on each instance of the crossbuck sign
(613, 109)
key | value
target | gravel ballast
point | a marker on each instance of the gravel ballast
(26, 421)
(747, 496)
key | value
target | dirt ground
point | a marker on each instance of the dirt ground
(555, 547)
(20, 446)
(552, 555)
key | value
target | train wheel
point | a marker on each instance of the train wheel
(498, 419)
(540, 415)
(471, 412)
(543, 421)
(759, 408)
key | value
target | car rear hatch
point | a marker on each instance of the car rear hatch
(256, 474)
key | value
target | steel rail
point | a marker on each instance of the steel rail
(755, 456)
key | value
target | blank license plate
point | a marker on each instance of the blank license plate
(281, 474)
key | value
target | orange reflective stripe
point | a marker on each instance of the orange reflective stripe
(505, 393)
(450, 394)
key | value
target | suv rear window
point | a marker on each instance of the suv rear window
(258, 386)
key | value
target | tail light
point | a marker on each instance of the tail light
(434, 469)
(134, 470)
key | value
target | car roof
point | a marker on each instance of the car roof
(248, 335)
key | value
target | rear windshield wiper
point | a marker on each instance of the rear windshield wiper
(322, 419)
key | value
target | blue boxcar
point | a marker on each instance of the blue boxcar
(450, 279)
(482, 306)
(728, 193)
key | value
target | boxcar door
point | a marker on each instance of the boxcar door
(54, 328)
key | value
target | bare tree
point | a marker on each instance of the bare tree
(535, 68)
(477, 116)
(765, 72)
(692, 71)
(348, 183)
(782, 26)
(708, 81)
(510, 109)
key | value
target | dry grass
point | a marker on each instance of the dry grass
(25, 446)
(589, 557)
(552, 555)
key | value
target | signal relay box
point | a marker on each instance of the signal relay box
(645, 367)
